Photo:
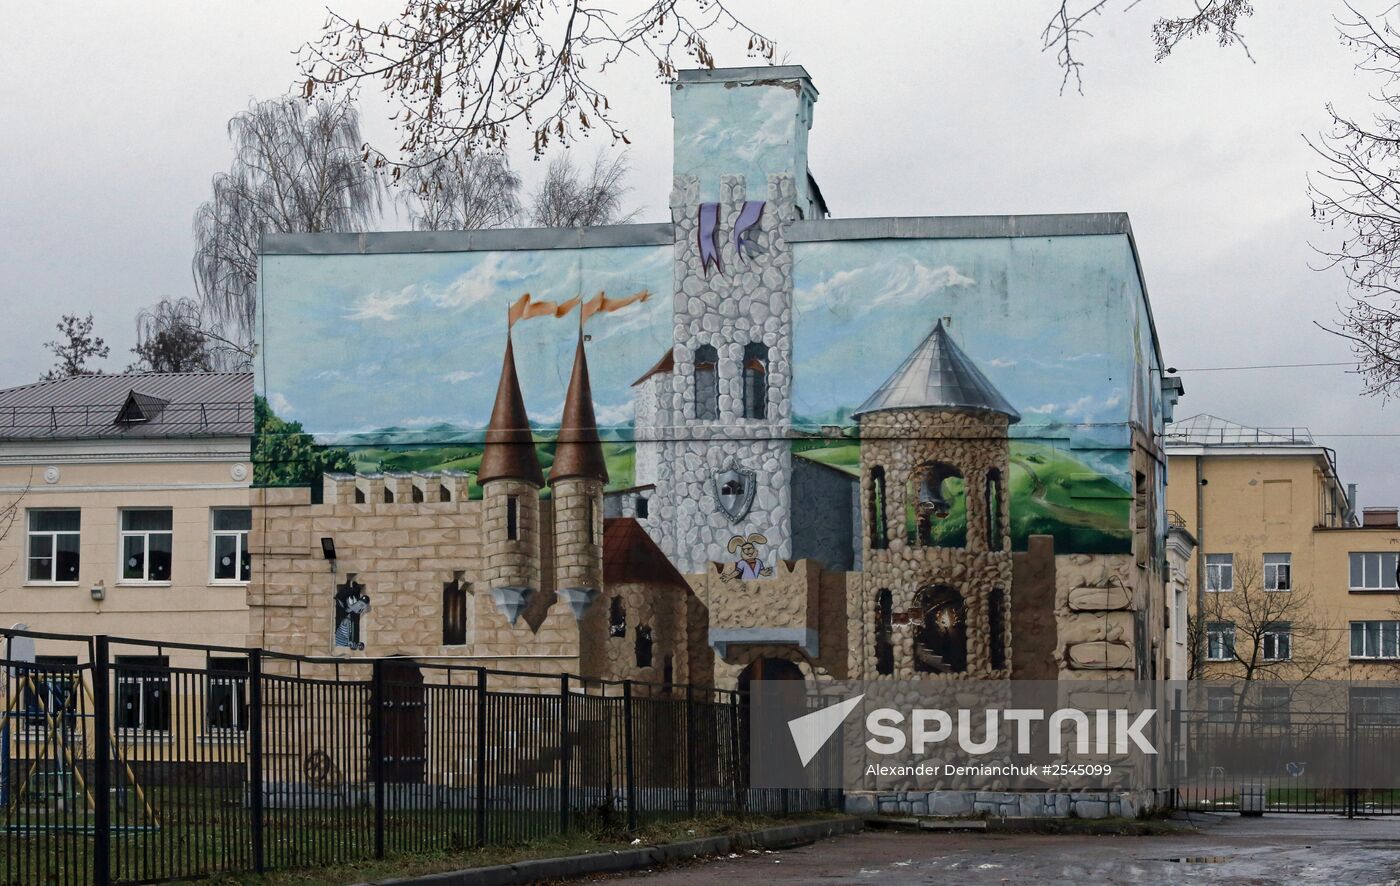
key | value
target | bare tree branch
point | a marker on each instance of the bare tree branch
(461, 193)
(569, 197)
(1357, 193)
(463, 74)
(297, 168)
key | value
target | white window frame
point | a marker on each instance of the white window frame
(51, 666)
(163, 682)
(123, 534)
(237, 680)
(240, 537)
(1225, 563)
(1272, 572)
(1276, 642)
(1374, 629)
(1381, 572)
(1225, 630)
(52, 534)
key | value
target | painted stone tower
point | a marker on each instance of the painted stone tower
(936, 547)
(510, 481)
(576, 479)
(725, 463)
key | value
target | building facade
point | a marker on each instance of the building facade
(1275, 523)
(749, 441)
(129, 515)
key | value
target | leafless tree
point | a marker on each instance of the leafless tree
(297, 167)
(74, 347)
(461, 193)
(570, 197)
(1279, 636)
(1069, 27)
(174, 335)
(1357, 192)
(464, 73)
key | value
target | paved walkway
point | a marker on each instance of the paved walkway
(1274, 849)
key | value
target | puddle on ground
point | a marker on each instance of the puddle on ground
(1199, 859)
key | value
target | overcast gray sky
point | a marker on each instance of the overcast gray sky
(114, 121)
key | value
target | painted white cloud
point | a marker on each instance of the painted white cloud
(381, 306)
(280, 404)
(461, 375)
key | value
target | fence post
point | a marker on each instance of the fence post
(255, 757)
(565, 753)
(628, 760)
(481, 757)
(1352, 722)
(102, 762)
(739, 777)
(376, 744)
(690, 754)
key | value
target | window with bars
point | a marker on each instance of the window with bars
(143, 693)
(226, 702)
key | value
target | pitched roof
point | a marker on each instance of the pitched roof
(938, 374)
(631, 557)
(510, 448)
(154, 404)
(667, 363)
(578, 452)
(1212, 430)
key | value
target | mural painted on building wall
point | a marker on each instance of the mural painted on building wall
(408, 353)
(748, 442)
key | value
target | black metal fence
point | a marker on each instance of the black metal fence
(1333, 762)
(134, 761)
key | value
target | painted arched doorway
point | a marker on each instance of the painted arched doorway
(779, 669)
(941, 644)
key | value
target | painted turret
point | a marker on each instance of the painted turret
(936, 550)
(510, 481)
(576, 479)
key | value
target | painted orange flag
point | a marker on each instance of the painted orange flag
(601, 304)
(567, 306)
(526, 308)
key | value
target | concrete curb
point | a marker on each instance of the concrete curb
(571, 866)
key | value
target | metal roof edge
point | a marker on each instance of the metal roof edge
(489, 240)
(952, 227)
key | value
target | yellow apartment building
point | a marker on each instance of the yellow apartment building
(127, 514)
(1276, 527)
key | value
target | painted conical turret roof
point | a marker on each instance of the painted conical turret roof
(510, 449)
(938, 375)
(579, 452)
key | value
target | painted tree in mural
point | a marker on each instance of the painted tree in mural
(1357, 192)
(461, 192)
(297, 168)
(74, 347)
(285, 455)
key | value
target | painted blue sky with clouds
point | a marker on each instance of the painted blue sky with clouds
(358, 343)
(355, 343)
(1042, 317)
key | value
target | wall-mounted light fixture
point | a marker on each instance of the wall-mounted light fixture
(328, 550)
(98, 591)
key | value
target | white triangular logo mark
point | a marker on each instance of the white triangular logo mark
(811, 731)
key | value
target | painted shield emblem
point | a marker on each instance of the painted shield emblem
(734, 490)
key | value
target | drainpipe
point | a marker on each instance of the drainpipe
(1199, 652)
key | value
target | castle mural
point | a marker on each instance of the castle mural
(874, 447)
